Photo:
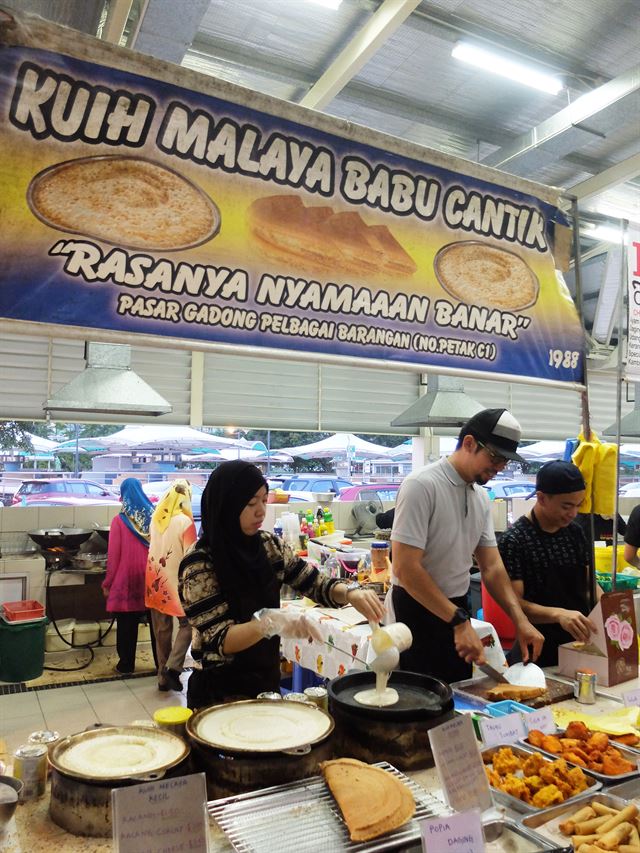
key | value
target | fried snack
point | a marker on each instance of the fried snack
(613, 764)
(577, 729)
(517, 788)
(615, 837)
(600, 808)
(551, 743)
(548, 796)
(629, 848)
(568, 826)
(580, 841)
(597, 741)
(628, 813)
(628, 739)
(515, 692)
(504, 761)
(586, 827)
(371, 800)
(532, 765)
(535, 738)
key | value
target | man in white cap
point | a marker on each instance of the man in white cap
(442, 520)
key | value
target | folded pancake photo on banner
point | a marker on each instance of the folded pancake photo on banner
(319, 237)
(481, 274)
(130, 202)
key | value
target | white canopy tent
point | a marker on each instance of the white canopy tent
(168, 439)
(342, 445)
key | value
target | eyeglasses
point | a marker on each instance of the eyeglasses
(496, 458)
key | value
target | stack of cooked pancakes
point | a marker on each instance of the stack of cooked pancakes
(371, 800)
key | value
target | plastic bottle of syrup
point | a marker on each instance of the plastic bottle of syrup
(380, 563)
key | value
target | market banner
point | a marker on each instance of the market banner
(632, 366)
(135, 204)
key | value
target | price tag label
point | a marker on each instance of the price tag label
(167, 816)
(459, 765)
(459, 833)
(507, 729)
(631, 697)
(540, 719)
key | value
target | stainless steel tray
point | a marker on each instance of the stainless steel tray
(629, 790)
(304, 816)
(546, 821)
(606, 780)
(519, 805)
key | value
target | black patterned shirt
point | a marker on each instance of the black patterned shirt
(553, 571)
(208, 611)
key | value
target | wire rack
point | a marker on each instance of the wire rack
(303, 816)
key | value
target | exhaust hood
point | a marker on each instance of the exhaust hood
(630, 423)
(108, 386)
(445, 404)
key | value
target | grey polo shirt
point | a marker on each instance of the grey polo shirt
(447, 518)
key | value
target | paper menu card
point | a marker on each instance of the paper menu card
(459, 765)
(612, 650)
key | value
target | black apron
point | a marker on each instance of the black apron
(252, 671)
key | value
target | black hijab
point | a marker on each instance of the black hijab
(239, 561)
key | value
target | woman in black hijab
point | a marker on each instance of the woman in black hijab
(230, 589)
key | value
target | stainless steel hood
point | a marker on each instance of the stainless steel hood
(444, 404)
(108, 385)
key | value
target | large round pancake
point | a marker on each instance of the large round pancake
(371, 800)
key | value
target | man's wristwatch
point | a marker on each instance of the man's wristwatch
(458, 618)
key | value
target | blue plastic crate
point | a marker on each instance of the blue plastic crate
(506, 706)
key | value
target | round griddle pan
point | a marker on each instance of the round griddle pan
(421, 696)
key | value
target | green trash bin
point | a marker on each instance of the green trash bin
(22, 649)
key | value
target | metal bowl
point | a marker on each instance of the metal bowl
(8, 808)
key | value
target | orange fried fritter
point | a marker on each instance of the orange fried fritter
(493, 777)
(532, 765)
(571, 743)
(504, 761)
(598, 740)
(577, 780)
(534, 783)
(551, 743)
(516, 787)
(547, 796)
(629, 739)
(575, 758)
(613, 765)
(535, 737)
(577, 729)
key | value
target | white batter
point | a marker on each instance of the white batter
(120, 755)
(379, 696)
(259, 727)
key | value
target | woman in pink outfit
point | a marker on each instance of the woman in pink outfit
(126, 565)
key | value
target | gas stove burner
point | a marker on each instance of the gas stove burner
(57, 558)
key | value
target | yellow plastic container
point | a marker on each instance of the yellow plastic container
(173, 719)
(604, 558)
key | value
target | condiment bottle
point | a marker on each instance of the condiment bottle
(173, 719)
(380, 562)
(328, 520)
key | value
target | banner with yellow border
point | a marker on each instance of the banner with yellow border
(137, 205)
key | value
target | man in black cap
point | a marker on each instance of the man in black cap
(545, 553)
(442, 519)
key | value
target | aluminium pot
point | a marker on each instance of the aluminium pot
(241, 762)
(80, 802)
(396, 733)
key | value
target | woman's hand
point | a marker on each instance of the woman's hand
(366, 601)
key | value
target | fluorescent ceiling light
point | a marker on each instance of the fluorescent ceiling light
(604, 233)
(490, 61)
(330, 4)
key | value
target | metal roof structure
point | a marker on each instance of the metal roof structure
(388, 65)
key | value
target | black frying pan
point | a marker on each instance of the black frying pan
(420, 696)
(60, 537)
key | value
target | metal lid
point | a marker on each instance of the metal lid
(30, 750)
(45, 737)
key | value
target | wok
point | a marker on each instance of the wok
(60, 537)
(103, 532)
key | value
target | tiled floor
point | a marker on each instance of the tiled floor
(72, 709)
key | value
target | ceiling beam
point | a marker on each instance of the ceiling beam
(567, 120)
(612, 177)
(380, 26)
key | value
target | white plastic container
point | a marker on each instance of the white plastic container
(52, 642)
(85, 632)
(110, 638)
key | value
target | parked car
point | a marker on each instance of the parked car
(369, 492)
(305, 487)
(630, 490)
(503, 488)
(63, 492)
(156, 489)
